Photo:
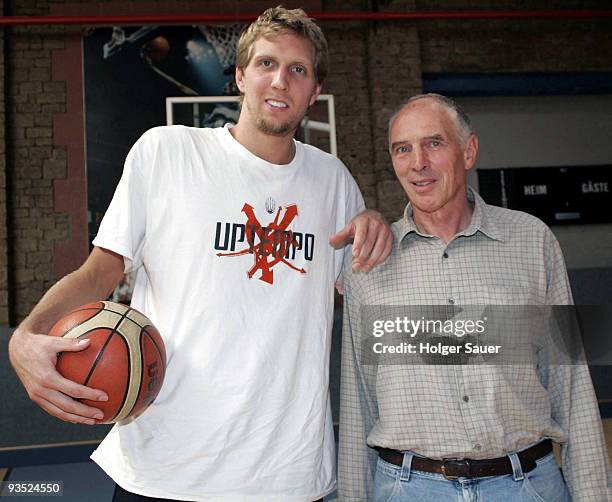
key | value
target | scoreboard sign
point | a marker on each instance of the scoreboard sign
(557, 195)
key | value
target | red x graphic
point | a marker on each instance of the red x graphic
(273, 244)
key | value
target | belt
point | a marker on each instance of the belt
(452, 468)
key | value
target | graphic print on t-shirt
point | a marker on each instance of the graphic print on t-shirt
(270, 245)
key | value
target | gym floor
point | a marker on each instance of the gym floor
(85, 481)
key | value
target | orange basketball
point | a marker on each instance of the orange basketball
(158, 48)
(126, 357)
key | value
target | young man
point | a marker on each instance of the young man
(472, 432)
(228, 231)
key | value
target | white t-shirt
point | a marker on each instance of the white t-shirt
(235, 269)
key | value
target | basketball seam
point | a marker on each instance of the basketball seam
(156, 346)
(136, 323)
(101, 351)
(129, 368)
(142, 365)
(98, 356)
(86, 320)
(129, 309)
(82, 335)
(119, 308)
(142, 334)
(127, 387)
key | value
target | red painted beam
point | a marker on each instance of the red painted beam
(173, 19)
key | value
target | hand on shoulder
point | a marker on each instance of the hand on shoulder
(371, 237)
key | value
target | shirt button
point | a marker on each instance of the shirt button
(477, 446)
(466, 398)
(445, 255)
(451, 301)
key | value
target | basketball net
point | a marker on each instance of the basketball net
(223, 39)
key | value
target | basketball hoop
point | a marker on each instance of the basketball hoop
(223, 39)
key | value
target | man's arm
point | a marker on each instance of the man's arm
(573, 401)
(584, 455)
(33, 354)
(371, 237)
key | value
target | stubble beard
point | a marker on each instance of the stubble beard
(275, 129)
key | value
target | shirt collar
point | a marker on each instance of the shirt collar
(482, 220)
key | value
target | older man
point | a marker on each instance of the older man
(401, 423)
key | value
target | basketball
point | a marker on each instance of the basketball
(158, 49)
(126, 357)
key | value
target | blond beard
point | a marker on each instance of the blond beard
(279, 130)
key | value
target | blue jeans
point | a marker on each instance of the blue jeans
(401, 484)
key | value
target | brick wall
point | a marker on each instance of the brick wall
(353, 108)
(35, 162)
(543, 45)
(393, 78)
(374, 67)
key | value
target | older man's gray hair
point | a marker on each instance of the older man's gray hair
(462, 121)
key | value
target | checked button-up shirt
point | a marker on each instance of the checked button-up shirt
(474, 411)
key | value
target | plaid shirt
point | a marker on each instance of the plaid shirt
(473, 411)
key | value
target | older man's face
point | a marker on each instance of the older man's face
(428, 157)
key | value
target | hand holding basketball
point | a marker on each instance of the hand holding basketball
(126, 357)
(33, 357)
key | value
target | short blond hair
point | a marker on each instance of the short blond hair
(278, 20)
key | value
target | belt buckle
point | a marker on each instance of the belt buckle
(446, 461)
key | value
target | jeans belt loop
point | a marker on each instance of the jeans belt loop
(406, 468)
(517, 468)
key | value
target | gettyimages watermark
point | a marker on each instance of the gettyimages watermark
(486, 334)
